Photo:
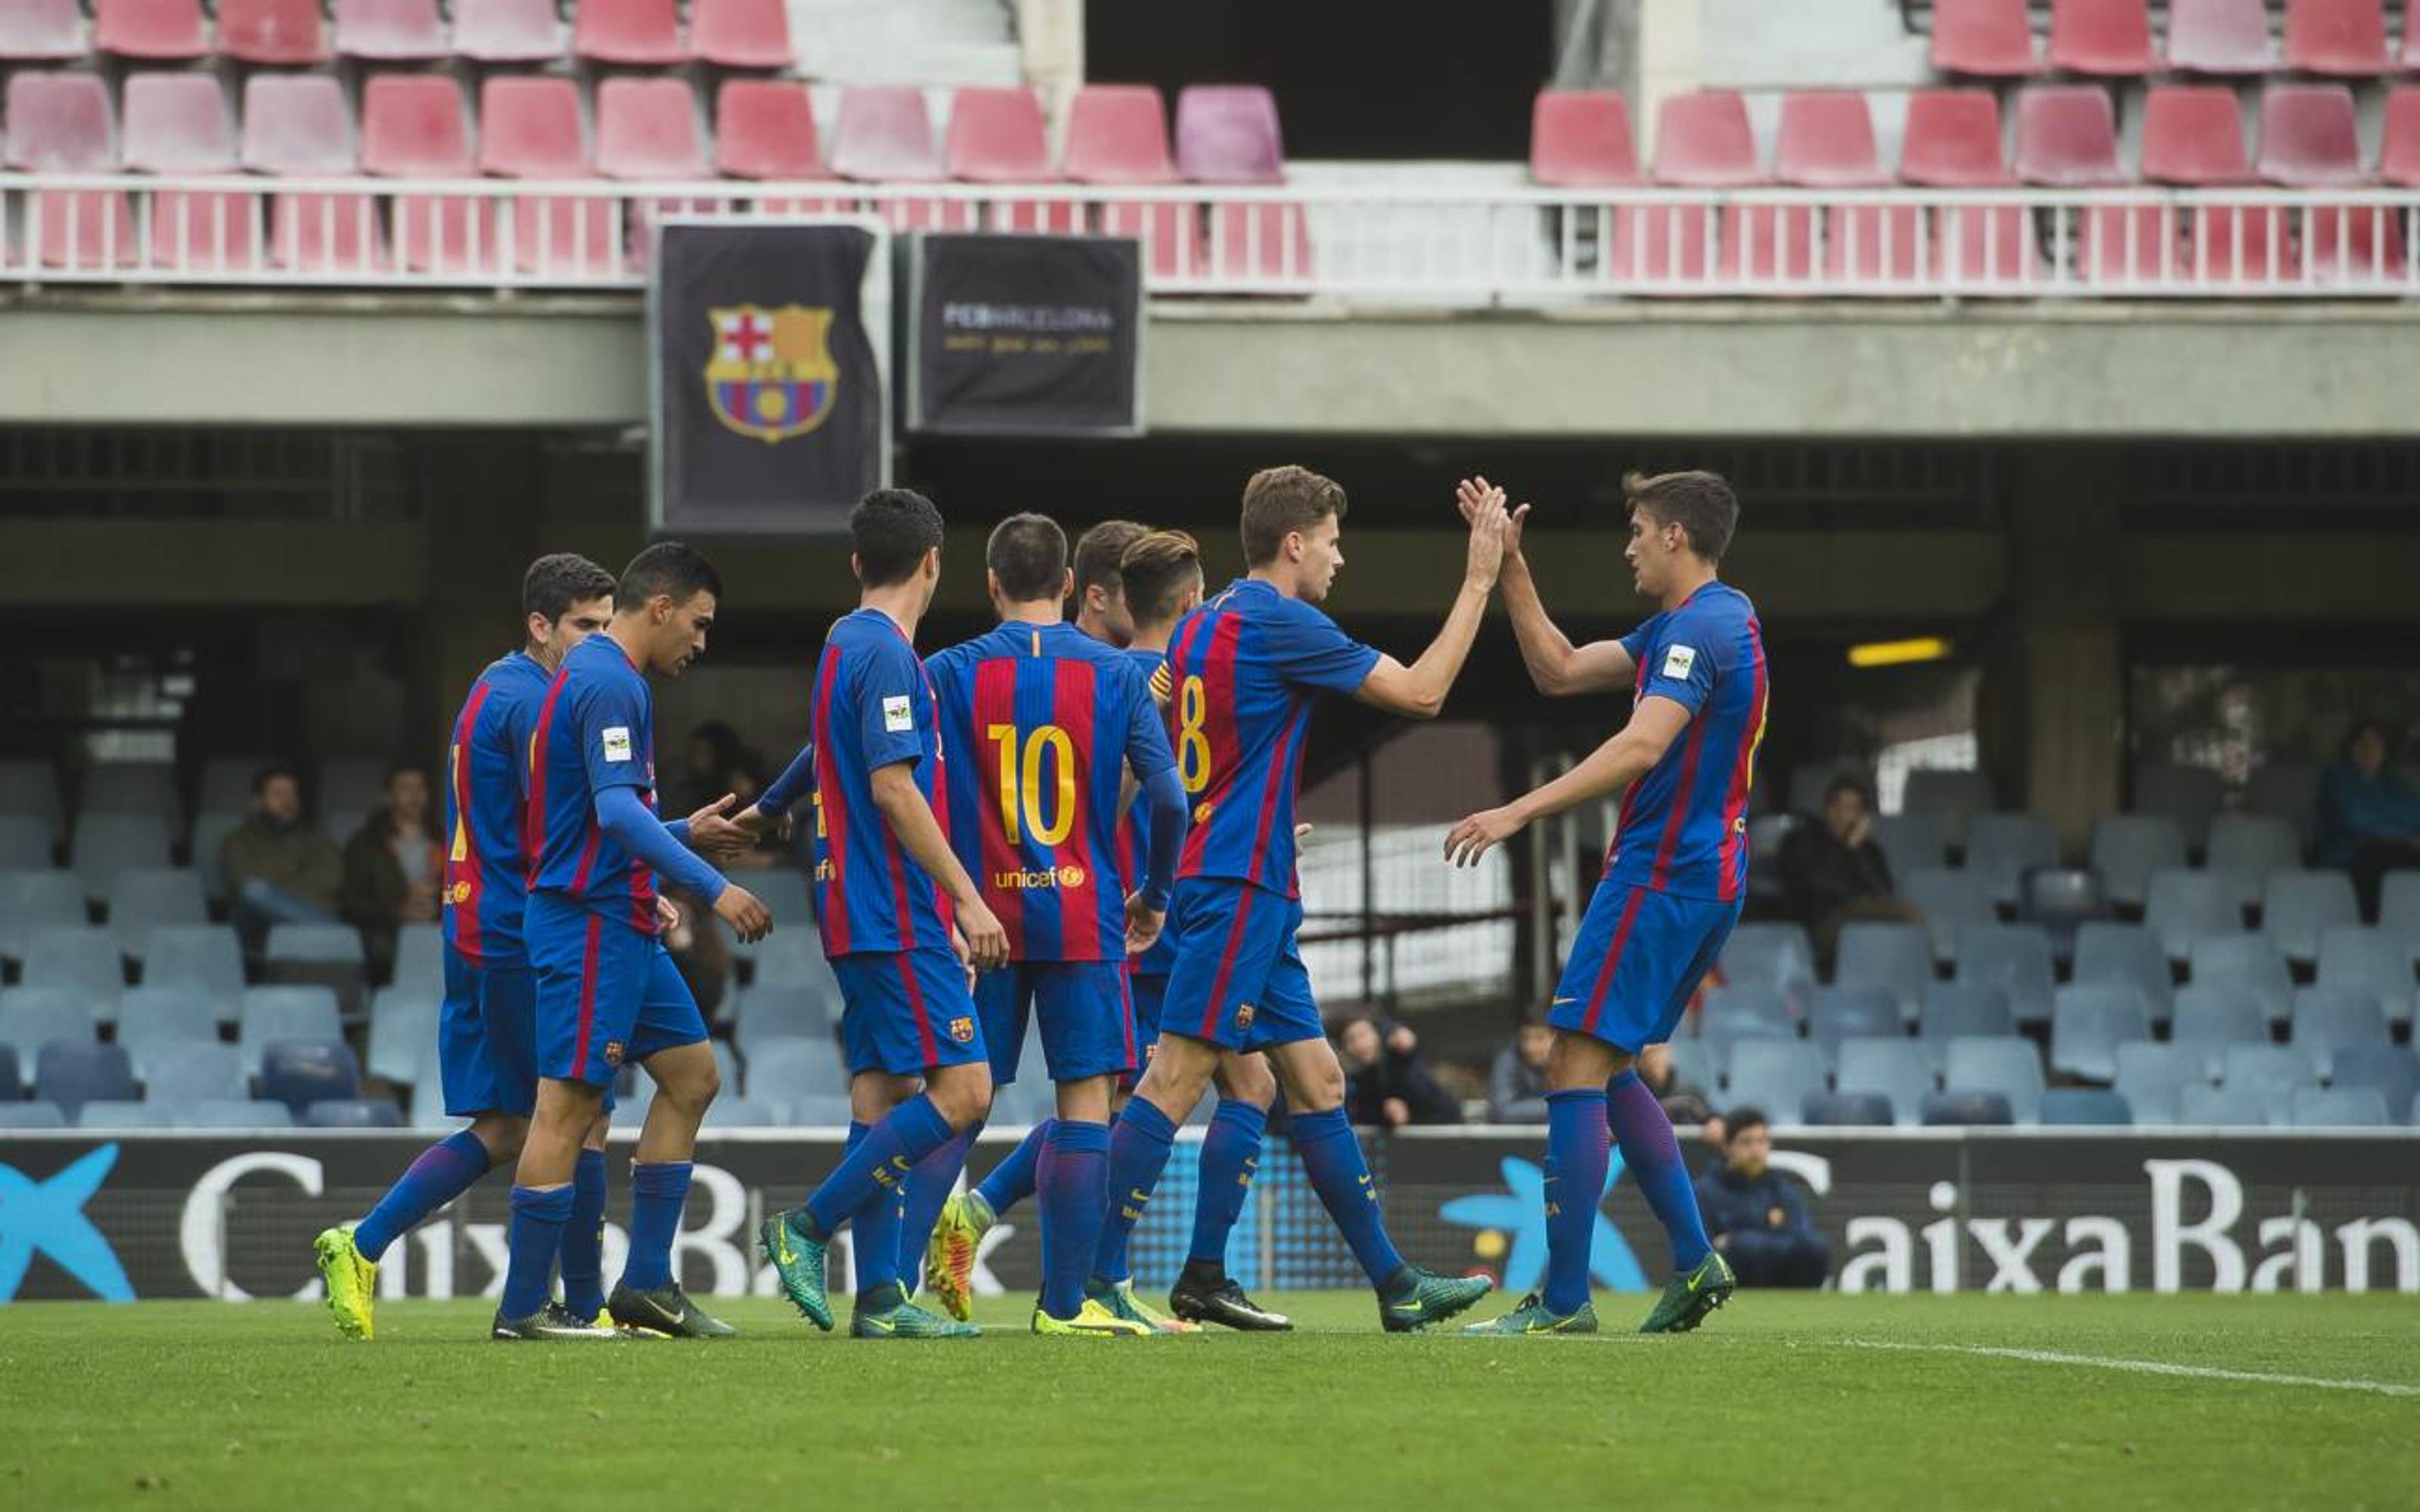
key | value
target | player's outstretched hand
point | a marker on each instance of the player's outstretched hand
(749, 918)
(1143, 925)
(1486, 515)
(715, 837)
(668, 918)
(987, 942)
(1471, 497)
(1479, 834)
(758, 823)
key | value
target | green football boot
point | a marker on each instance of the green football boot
(1687, 1299)
(886, 1313)
(799, 1260)
(1534, 1316)
(352, 1282)
(1413, 1298)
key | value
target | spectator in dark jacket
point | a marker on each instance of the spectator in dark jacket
(393, 866)
(1384, 1083)
(1756, 1216)
(1835, 872)
(276, 868)
(2369, 818)
(1516, 1084)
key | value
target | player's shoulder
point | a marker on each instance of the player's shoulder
(1068, 643)
(1717, 602)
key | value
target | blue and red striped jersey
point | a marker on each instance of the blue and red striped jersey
(1683, 827)
(487, 780)
(1241, 673)
(1134, 841)
(1050, 720)
(595, 729)
(873, 707)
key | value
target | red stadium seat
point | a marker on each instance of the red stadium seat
(530, 128)
(2107, 36)
(1117, 134)
(296, 124)
(1702, 141)
(1828, 142)
(1581, 139)
(273, 31)
(507, 31)
(627, 31)
(2411, 47)
(741, 34)
(59, 123)
(1228, 134)
(1952, 141)
(2341, 37)
(414, 126)
(393, 30)
(885, 135)
(2193, 137)
(148, 28)
(647, 129)
(765, 129)
(2398, 154)
(997, 136)
(2067, 137)
(42, 30)
(2308, 139)
(1989, 37)
(2219, 37)
(177, 124)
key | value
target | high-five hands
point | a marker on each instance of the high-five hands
(1473, 495)
(1482, 506)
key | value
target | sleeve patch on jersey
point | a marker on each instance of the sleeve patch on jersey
(618, 743)
(898, 714)
(1679, 661)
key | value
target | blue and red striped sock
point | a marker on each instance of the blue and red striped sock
(658, 1191)
(1230, 1154)
(532, 1240)
(1014, 1180)
(1577, 1158)
(441, 1173)
(1652, 1154)
(1140, 1142)
(1331, 1157)
(583, 1237)
(1075, 1185)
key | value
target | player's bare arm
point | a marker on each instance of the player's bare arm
(910, 818)
(1610, 768)
(1419, 691)
(1560, 669)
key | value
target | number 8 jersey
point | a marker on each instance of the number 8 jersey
(1049, 720)
(1240, 677)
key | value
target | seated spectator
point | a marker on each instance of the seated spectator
(2369, 818)
(1516, 1084)
(1684, 1102)
(393, 866)
(1835, 872)
(276, 868)
(1756, 1216)
(1384, 1083)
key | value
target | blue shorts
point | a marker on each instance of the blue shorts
(1239, 981)
(907, 1011)
(1147, 989)
(486, 1038)
(1086, 1024)
(1636, 961)
(607, 995)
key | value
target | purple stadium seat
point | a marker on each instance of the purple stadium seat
(285, 32)
(59, 123)
(41, 31)
(2308, 140)
(390, 30)
(741, 34)
(1117, 134)
(2219, 37)
(177, 124)
(1952, 141)
(2341, 36)
(1993, 38)
(2107, 36)
(1828, 142)
(530, 128)
(414, 126)
(997, 136)
(149, 28)
(627, 31)
(507, 31)
(1581, 139)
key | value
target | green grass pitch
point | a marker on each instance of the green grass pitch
(1783, 1401)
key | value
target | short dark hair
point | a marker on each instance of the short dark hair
(1101, 551)
(1847, 782)
(1156, 571)
(401, 767)
(1027, 553)
(2368, 725)
(1739, 1119)
(669, 567)
(554, 583)
(1701, 504)
(271, 772)
(890, 530)
(1278, 501)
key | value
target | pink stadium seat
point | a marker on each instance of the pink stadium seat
(177, 124)
(647, 129)
(2219, 37)
(627, 31)
(530, 128)
(997, 137)
(1117, 134)
(2411, 47)
(2067, 137)
(295, 125)
(59, 123)
(1992, 37)
(148, 28)
(885, 135)
(1702, 141)
(414, 126)
(2342, 37)
(1228, 134)
(393, 30)
(1581, 139)
(765, 129)
(2308, 139)
(507, 31)
(741, 34)
(42, 30)
(273, 31)
(2193, 137)
(1828, 142)
(1952, 141)
(2107, 36)
(2398, 153)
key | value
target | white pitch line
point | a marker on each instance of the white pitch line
(2143, 1368)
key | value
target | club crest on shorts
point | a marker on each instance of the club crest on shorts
(771, 375)
(612, 1051)
(962, 1029)
(1243, 1017)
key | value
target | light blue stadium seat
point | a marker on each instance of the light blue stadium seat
(824, 1112)
(420, 958)
(1838, 1012)
(2297, 908)
(353, 1113)
(299, 1073)
(730, 1112)
(1951, 798)
(273, 1013)
(1952, 1009)
(25, 843)
(403, 1033)
(238, 1114)
(2340, 1107)
(31, 1115)
(320, 955)
(159, 1024)
(2191, 796)
(1776, 958)
(782, 1012)
(2398, 910)
(211, 831)
(2288, 790)
(2251, 962)
(2272, 1073)
(2129, 954)
(1776, 1075)
(2393, 1072)
(2088, 1022)
(2002, 847)
(199, 1073)
(1898, 957)
(787, 1069)
(107, 845)
(205, 957)
(2334, 1023)
(2185, 908)
(2006, 1064)
(1911, 842)
(34, 901)
(783, 890)
(2245, 847)
(794, 958)
(2128, 848)
(80, 959)
(2015, 958)
(32, 1017)
(1735, 1013)
(2372, 960)
(2213, 1018)
(1897, 1068)
(125, 1114)
(1846, 1110)
(71, 1074)
(141, 902)
(148, 788)
(29, 789)
(1959, 1106)
(2085, 1106)
(1952, 900)
(2153, 1077)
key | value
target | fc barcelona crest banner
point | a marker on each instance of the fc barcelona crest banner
(1036, 335)
(769, 408)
